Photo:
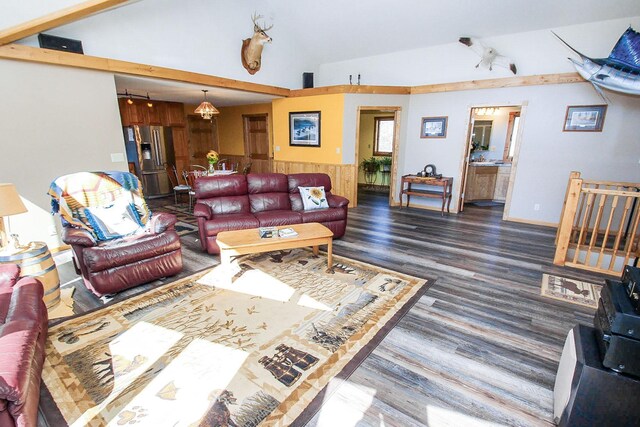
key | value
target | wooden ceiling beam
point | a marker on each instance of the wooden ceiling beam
(55, 57)
(378, 90)
(56, 19)
(542, 79)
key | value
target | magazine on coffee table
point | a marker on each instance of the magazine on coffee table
(287, 232)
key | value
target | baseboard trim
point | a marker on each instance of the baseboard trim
(532, 222)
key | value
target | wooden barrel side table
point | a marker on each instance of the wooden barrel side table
(35, 260)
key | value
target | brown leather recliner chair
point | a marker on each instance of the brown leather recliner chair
(23, 332)
(110, 263)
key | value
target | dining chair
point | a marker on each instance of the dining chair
(178, 188)
(190, 178)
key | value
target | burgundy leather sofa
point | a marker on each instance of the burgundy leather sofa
(113, 266)
(23, 332)
(237, 202)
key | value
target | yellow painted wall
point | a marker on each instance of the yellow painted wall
(366, 142)
(331, 109)
(230, 127)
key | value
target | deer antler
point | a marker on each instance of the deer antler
(255, 17)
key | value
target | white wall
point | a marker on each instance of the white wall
(547, 154)
(54, 121)
(203, 36)
(534, 52)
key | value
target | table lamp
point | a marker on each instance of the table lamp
(10, 204)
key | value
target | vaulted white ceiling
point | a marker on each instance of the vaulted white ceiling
(204, 35)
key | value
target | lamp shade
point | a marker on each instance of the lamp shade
(10, 202)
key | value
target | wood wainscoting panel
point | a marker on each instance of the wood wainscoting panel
(343, 177)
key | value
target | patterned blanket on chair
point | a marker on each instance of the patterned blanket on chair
(109, 205)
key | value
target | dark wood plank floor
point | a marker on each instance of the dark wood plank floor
(481, 347)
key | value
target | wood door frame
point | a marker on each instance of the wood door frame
(396, 146)
(466, 154)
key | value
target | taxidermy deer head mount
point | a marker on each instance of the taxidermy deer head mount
(252, 48)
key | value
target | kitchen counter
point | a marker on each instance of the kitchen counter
(499, 164)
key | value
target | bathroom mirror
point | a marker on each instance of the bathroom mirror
(481, 135)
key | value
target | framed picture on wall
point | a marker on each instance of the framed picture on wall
(434, 127)
(584, 118)
(304, 129)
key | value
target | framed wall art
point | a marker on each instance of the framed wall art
(434, 127)
(304, 129)
(584, 118)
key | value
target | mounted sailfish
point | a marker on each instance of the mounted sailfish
(619, 72)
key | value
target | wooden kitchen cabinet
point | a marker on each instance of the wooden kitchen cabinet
(160, 114)
(173, 114)
(154, 114)
(481, 183)
(133, 114)
(502, 184)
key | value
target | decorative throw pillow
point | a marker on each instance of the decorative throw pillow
(313, 198)
(114, 221)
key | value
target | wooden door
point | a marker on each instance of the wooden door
(203, 136)
(256, 142)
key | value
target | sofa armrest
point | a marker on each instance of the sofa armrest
(337, 201)
(77, 236)
(9, 274)
(18, 340)
(161, 222)
(200, 210)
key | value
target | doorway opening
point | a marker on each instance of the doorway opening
(377, 136)
(490, 159)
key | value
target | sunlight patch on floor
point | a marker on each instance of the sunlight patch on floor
(443, 417)
(346, 404)
(252, 282)
(184, 391)
(131, 354)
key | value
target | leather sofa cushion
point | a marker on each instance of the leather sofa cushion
(219, 186)
(306, 180)
(324, 215)
(269, 202)
(309, 180)
(129, 250)
(267, 183)
(228, 204)
(275, 218)
(238, 221)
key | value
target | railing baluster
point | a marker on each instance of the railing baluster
(596, 229)
(630, 241)
(585, 222)
(614, 205)
(616, 244)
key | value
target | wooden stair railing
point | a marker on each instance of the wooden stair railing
(598, 229)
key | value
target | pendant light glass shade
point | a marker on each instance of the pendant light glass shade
(206, 109)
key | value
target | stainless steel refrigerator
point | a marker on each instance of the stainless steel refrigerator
(149, 149)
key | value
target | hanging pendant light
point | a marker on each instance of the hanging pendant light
(206, 109)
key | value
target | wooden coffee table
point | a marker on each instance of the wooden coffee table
(242, 242)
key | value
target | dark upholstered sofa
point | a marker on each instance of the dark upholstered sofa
(23, 332)
(237, 202)
(113, 266)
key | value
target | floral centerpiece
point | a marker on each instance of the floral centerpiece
(212, 158)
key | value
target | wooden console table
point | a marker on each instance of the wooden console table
(445, 185)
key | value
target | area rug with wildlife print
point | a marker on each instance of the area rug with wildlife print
(570, 290)
(253, 343)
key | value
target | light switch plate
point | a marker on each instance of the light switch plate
(117, 157)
